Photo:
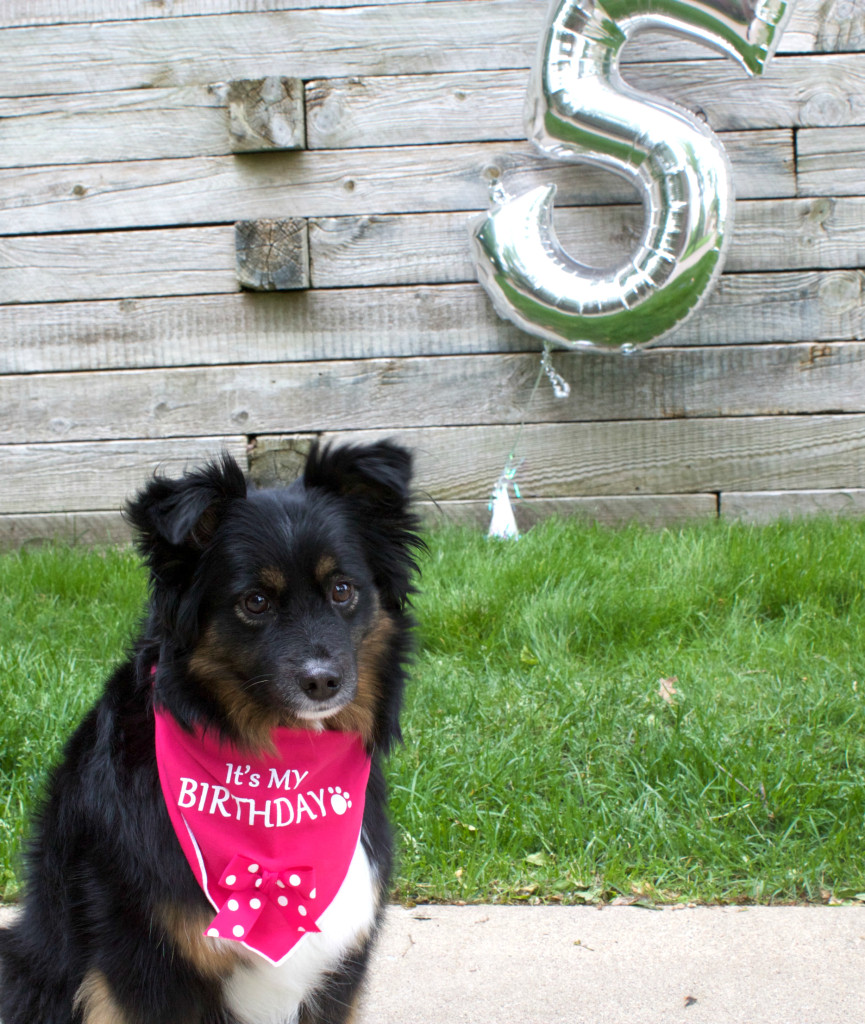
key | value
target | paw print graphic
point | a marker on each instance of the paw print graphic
(340, 800)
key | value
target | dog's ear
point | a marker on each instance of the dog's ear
(185, 512)
(375, 474)
(374, 481)
(175, 520)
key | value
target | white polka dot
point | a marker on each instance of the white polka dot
(294, 879)
(233, 905)
(255, 903)
(302, 911)
(280, 884)
(282, 901)
(258, 883)
(252, 868)
(238, 930)
(301, 929)
(312, 895)
(213, 933)
(230, 880)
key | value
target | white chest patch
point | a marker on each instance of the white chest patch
(259, 993)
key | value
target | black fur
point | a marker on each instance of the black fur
(103, 858)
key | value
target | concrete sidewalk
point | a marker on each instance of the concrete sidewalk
(618, 965)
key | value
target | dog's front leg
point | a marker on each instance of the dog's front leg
(337, 999)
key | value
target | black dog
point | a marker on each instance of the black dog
(272, 611)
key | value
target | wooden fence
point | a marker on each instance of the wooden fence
(127, 344)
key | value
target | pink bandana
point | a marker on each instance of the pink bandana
(269, 839)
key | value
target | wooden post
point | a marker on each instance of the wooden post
(266, 114)
(272, 255)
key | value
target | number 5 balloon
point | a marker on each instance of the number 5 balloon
(579, 109)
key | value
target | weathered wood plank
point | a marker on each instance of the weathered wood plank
(814, 24)
(96, 477)
(98, 528)
(393, 38)
(22, 13)
(106, 265)
(275, 461)
(186, 121)
(615, 510)
(822, 453)
(831, 161)
(243, 328)
(154, 193)
(795, 92)
(782, 234)
(391, 322)
(430, 391)
(776, 234)
(85, 528)
(133, 124)
(378, 38)
(400, 249)
(766, 507)
(639, 457)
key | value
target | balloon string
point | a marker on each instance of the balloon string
(503, 523)
(512, 453)
(561, 389)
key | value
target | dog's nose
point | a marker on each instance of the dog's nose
(320, 680)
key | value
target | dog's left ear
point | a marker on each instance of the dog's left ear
(375, 474)
(375, 480)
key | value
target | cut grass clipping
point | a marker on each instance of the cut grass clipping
(593, 715)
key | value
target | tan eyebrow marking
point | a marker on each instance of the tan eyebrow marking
(326, 567)
(273, 578)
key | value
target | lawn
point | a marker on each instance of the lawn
(594, 714)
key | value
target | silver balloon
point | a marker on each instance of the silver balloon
(580, 110)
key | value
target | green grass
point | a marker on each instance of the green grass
(65, 617)
(541, 762)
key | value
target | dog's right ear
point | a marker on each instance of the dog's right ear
(176, 519)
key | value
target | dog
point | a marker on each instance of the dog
(257, 703)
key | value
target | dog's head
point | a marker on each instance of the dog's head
(283, 606)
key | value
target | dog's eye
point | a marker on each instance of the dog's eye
(342, 592)
(256, 604)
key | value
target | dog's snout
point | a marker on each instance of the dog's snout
(320, 680)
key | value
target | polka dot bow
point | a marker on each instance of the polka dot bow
(254, 889)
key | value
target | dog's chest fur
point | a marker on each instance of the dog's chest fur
(260, 993)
